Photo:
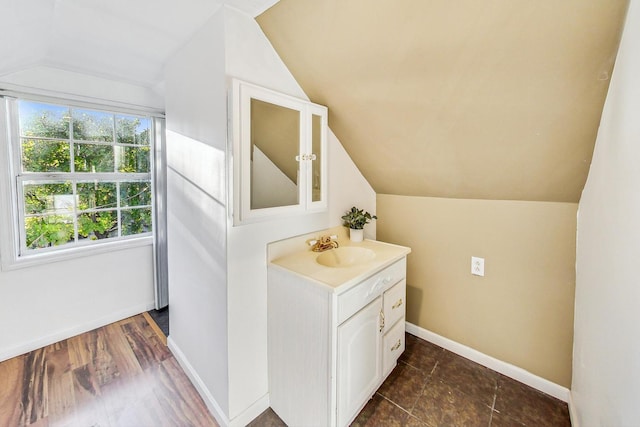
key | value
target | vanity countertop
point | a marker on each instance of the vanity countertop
(339, 279)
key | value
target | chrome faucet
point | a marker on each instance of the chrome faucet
(324, 243)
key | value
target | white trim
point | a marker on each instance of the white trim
(76, 330)
(511, 371)
(55, 97)
(77, 251)
(197, 382)
(243, 419)
(9, 243)
(249, 414)
(573, 411)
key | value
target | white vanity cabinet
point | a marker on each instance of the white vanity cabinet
(331, 347)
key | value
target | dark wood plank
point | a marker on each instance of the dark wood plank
(117, 375)
(161, 336)
(180, 400)
(11, 376)
(34, 396)
(146, 346)
(90, 408)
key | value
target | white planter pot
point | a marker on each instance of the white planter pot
(356, 235)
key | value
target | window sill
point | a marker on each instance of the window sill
(33, 260)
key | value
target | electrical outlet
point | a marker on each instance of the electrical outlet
(477, 266)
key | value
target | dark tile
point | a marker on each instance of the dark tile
(404, 386)
(467, 376)
(444, 405)
(381, 412)
(421, 354)
(267, 419)
(161, 317)
(529, 406)
(501, 420)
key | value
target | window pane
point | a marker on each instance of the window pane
(135, 193)
(132, 130)
(93, 158)
(45, 156)
(43, 120)
(54, 198)
(92, 125)
(98, 225)
(136, 221)
(133, 159)
(50, 230)
(97, 195)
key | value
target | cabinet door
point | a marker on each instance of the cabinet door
(359, 360)
(279, 154)
(392, 348)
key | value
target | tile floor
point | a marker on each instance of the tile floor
(432, 387)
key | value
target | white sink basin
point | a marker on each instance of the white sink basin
(346, 256)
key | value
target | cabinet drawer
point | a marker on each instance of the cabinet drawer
(395, 304)
(392, 348)
(361, 294)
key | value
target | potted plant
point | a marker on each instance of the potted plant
(356, 219)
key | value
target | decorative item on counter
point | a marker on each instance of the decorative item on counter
(356, 219)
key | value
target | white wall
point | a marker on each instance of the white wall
(196, 204)
(70, 85)
(218, 287)
(50, 302)
(250, 57)
(606, 354)
(45, 304)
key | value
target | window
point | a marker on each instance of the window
(80, 177)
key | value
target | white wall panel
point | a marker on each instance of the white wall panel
(606, 353)
(196, 204)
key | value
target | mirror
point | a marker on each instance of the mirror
(279, 154)
(275, 143)
(316, 165)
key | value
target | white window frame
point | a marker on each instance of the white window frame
(12, 252)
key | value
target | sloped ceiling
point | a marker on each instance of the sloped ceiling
(492, 99)
(125, 40)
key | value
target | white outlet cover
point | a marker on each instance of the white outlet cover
(477, 266)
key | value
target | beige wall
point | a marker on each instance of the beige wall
(473, 99)
(521, 311)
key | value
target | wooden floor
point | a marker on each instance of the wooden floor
(118, 375)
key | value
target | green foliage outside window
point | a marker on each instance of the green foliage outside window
(65, 207)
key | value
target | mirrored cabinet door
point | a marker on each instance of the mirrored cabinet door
(318, 169)
(275, 144)
(279, 154)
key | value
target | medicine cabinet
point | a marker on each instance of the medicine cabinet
(279, 154)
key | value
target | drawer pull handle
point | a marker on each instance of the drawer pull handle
(381, 320)
(397, 345)
(397, 304)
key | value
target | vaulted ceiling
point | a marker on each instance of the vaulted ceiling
(125, 40)
(492, 99)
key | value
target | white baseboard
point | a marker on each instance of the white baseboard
(197, 382)
(238, 421)
(490, 362)
(251, 412)
(573, 414)
(75, 330)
